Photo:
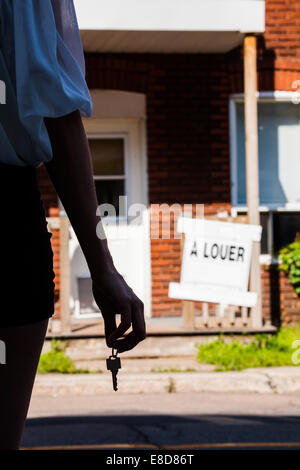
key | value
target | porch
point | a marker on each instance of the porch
(156, 327)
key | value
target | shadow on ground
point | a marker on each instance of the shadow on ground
(164, 431)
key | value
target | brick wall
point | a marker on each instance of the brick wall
(283, 28)
(281, 304)
(282, 36)
(278, 49)
(187, 139)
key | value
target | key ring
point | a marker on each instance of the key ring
(112, 351)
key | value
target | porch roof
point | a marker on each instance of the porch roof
(167, 26)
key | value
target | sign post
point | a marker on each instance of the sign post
(188, 310)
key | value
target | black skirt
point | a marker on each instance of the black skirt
(26, 266)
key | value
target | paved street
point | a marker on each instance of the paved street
(208, 420)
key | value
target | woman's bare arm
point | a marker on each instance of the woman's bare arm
(71, 173)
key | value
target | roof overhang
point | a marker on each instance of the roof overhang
(167, 26)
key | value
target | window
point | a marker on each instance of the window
(279, 167)
(278, 229)
(85, 294)
(108, 157)
(279, 151)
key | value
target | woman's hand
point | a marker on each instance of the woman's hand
(113, 296)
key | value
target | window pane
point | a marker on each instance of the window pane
(241, 171)
(107, 156)
(285, 227)
(108, 192)
(279, 150)
(264, 222)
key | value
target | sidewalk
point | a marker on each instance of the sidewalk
(265, 380)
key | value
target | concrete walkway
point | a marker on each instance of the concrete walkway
(265, 380)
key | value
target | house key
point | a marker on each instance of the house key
(113, 363)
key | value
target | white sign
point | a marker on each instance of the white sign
(216, 262)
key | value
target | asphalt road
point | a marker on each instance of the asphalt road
(170, 420)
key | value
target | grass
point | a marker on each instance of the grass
(262, 351)
(57, 361)
(171, 387)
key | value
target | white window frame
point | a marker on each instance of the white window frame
(136, 149)
(114, 135)
(262, 96)
(135, 130)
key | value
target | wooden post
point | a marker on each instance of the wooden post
(189, 314)
(64, 275)
(244, 312)
(252, 168)
(205, 313)
(188, 305)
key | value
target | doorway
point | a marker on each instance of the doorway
(118, 151)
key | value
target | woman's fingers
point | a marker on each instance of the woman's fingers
(107, 313)
(110, 325)
(138, 319)
(127, 343)
(132, 316)
(138, 332)
(124, 325)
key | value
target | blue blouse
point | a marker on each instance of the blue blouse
(42, 74)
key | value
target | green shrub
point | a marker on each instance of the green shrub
(290, 262)
(56, 360)
(262, 351)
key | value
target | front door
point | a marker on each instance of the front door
(117, 150)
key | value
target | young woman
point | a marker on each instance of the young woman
(43, 96)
